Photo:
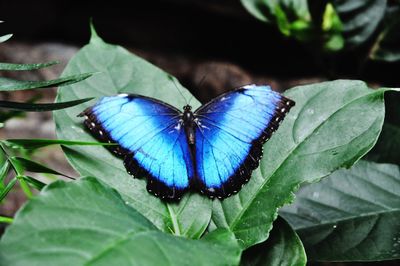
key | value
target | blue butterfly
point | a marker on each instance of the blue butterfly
(212, 150)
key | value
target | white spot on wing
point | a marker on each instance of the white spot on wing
(122, 95)
(250, 86)
(178, 126)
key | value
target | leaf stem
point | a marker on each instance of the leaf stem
(4, 219)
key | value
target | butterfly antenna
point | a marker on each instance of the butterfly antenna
(199, 85)
(176, 86)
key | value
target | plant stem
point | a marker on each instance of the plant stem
(4, 219)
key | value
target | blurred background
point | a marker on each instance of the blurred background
(228, 43)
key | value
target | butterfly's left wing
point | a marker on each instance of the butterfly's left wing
(230, 132)
(151, 140)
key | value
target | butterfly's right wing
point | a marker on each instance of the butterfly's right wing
(151, 138)
(230, 132)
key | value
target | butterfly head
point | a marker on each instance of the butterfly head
(187, 108)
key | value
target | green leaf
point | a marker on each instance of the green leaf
(4, 170)
(40, 143)
(283, 248)
(387, 149)
(9, 186)
(7, 84)
(353, 215)
(14, 67)
(88, 223)
(273, 11)
(35, 167)
(40, 107)
(332, 125)
(386, 47)
(123, 72)
(5, 37)
(359, 18)
(39, 185)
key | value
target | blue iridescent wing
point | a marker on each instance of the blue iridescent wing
(230, 132)
(151, 140)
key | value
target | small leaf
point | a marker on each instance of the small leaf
(87, 223)
(283, 248)
(9, 186)
(15, 67)
(359, 18)
(4, 170)
(35, 167)
(39, 185)
(352, 215)
(40, 143)
(386, 46)
(5, 37)
(40, 107)
(7, 84)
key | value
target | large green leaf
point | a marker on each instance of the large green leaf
(360, 19)
(351, 215)
(121, 71)
(283, 248)
(88, 223)
(332, 125)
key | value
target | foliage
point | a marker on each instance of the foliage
(370, 29)
(11, 150)
(107, 217)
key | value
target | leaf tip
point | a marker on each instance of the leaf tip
(94, 37)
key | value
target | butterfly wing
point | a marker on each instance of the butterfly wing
(230, 132)
(151, 140)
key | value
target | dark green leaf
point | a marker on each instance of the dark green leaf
(332, 125)
(35, 167)
(7, 66)
(4, 170)
(9, 186)
(7, 84)
(39, 185)
(123, 72)
(5, 37)
(273, 11)
(40, 107)
(40, 143)
(387, 45)
(387, 149)
(88, 223)
(359, 18)
(283, 248)
(353, 215)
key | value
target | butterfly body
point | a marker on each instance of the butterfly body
(212, 150)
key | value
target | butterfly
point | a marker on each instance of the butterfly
(212, 150)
